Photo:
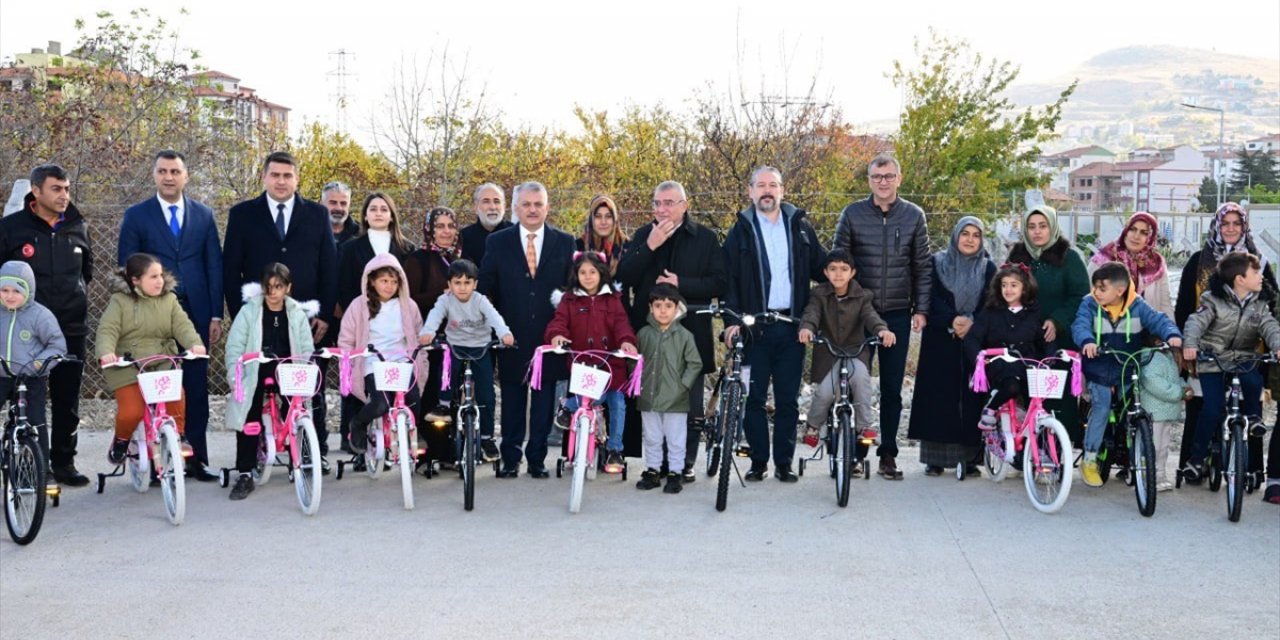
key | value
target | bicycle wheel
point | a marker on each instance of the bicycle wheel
(266, 452)
(728, 438)
(1048, 476)
(469, 460)
(137, 464)
(307, 475)
(172, 472)
(24, 497)
(993, 457)
(712, 437)
(843, 452)
(406, 457)
(1236, 452)
(1143, 457)
(376, 449)
(581, 433)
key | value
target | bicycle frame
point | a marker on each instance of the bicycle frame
(19, 425)
(154, 415)
(1020, 432)
(284, 431)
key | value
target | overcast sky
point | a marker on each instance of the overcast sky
(538, 59)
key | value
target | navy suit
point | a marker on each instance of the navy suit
(195, 257)
(525, 304)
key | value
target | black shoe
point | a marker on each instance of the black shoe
(68, 476)
(119, 449)
(1193, 473)
(1257, 428)
(688, 476)
(673, 483)
(345, 447)
(649, 480)
(785, 474)
(359, 442)
(540, 473)
(199, 472)
(509, 473)
(489, 450)
(932, 470)
(971, 470)
(756, 474)
(244, 487)
(324, 466)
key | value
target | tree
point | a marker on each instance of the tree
(1256, 168)
(325, 155)
(1208, 195)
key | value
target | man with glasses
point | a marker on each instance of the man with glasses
(888, 239)
(676, 250)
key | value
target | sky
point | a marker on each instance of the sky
(537, 60)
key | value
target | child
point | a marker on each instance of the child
(1162, 394)
(471, 319)
(590, 316)
(1010, 320)
(842, 312)
(143, 319)
(1116, 317)
(386, 317)
(34, 338)
(270, 321)
(671, 366)
(1234, 315)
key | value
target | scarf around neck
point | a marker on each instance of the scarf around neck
(1145, 266)
(1055, 232)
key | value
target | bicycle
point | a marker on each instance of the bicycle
(1135, 452)
(298, 379)
(398, 422)
(1230, 444)
(22, 460)
(589, 383)
(1046, 448)
(467, 430)
(155, 446)
(840, 440)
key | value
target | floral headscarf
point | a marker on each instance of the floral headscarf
(429, 235)
(1215, 247)
(1145, 266)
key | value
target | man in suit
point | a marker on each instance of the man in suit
(490, 207)
(522, 265)
(182, 234)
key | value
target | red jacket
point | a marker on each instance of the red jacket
(594, 322)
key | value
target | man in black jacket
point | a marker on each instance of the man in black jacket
(336, 197)
(676, 250)
(51, 236)
(771, 255)
(888, 238)
(491, 215)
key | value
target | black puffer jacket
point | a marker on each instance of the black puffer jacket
(61, 258)
(892, 253)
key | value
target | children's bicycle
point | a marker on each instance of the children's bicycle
(1042, 440)
(155, 447)
(841, 441)
(1129, 442)
(467, 434)
(22, 460)
(298, 379)
(589, 383)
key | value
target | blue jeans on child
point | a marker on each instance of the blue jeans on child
(1212, 411)
(1099, 412)
(616, 402)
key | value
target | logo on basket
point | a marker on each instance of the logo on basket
(162, 385)
(299, 378)
(1052, 382)
(392, 375)
(590, 381)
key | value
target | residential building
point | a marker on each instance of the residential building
(1060, 165)
(242, 104)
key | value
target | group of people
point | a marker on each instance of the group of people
(295, 275)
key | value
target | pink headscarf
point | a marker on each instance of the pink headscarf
(1145, 266)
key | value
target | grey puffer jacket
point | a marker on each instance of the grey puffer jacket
(31, 332)
(891, 251)
(1222, 324)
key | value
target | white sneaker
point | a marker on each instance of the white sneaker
(1164, 485)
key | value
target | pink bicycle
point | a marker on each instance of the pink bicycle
(589, 383)
(155, 445)
(1044, 443)
(298, 379)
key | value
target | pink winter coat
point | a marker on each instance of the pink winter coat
(354, 335)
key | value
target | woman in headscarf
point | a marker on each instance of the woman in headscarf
(944, 412)
(1229, 231)
(602, 232)
(1136, 249)
(1060, 273)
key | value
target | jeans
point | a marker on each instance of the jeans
(893, 367)
(1211, 414)
(774, 354)
(1099, 412)
(616, 401)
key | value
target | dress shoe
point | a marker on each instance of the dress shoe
(199, 472)
(540, 473)
(509, 473)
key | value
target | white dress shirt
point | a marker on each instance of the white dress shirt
(539, 234)
(182, 211)
(275, 208)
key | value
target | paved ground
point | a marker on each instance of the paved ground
(922, 557)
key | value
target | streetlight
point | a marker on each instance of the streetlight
(1222, 117)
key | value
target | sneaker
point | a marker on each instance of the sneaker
(688, 476)
(673, 483)
(1272, 494)
(489, 450)
(359, 438)
(1089, 470)
(324, 466)
(649, 480)
(1193, 473)
(613, 463)
(563, 416)
(244, 487)
(119, 449)
(988, 420)
(811, 435)
(1163, 486)
(67, 475)
(1257, 428)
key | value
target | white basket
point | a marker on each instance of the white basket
(297, 379)
(588, 381)
(1046, 383)
(392, 376)
(161, 386)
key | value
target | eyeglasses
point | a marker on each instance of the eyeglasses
(666, 203)
(882, 177)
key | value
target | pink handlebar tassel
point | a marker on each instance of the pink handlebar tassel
(633, 385)
(979, 383)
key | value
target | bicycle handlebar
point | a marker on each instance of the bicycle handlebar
(41, 368)
(1237, 358)
(127, 360)
(873, 341)
(746, 319)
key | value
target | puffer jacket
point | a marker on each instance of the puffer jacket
(891, 251)
(1223, 324)
(61, 257)
(30, 332)
(142, 326)
(746, 291)
(594, 322)
(1162, 388)
(671, 366)
(844, 320)
(246, 337)
(1126, 333)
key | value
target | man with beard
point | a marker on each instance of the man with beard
(336, 197)
(490, 207)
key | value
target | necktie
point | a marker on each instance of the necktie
(531, 256)
(173, 220)
(280, 220)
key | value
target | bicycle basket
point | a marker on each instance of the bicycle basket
(161, 386)
(585, 380)
(296, 379)
(1046, 383)
(392, 376)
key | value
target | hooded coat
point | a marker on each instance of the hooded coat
(142, 326)
(354, 335)
(594, 322)
(246, 337)
(1123, 332)
(671, 366)
(31, 333)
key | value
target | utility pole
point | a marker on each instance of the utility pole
(340, 96)
(1222, 119)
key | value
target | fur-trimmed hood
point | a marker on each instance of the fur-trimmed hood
(558, 294)
(1053, 255)
(120, 284)
(251, 290)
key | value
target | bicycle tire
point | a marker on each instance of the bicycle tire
(375, 452)
(308, 476)
(172, 472)
(581, 435)
(470, 435)
(137, 464)
(1237, 458)
(405, 453)
(712, 437)
(728, 433)
(1143, 458)
(844, 462)
(266, 452)
(24, 482)
(1054, 478)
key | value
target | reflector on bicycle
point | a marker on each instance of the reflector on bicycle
(585, 380)
(161, 386)
(392, 376)
(1046, 383)
(297, 379)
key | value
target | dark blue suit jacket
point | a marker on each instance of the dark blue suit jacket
(307, 249)
(523, 302)
(195, 256)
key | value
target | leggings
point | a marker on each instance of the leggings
(130, 407)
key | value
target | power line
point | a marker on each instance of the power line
(340, 96)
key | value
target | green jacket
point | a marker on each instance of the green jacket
(142, 326)
(246, 337)
(671, 365)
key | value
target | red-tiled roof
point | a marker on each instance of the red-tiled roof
(210, 74)
(1081, 151)
(1095, 169)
